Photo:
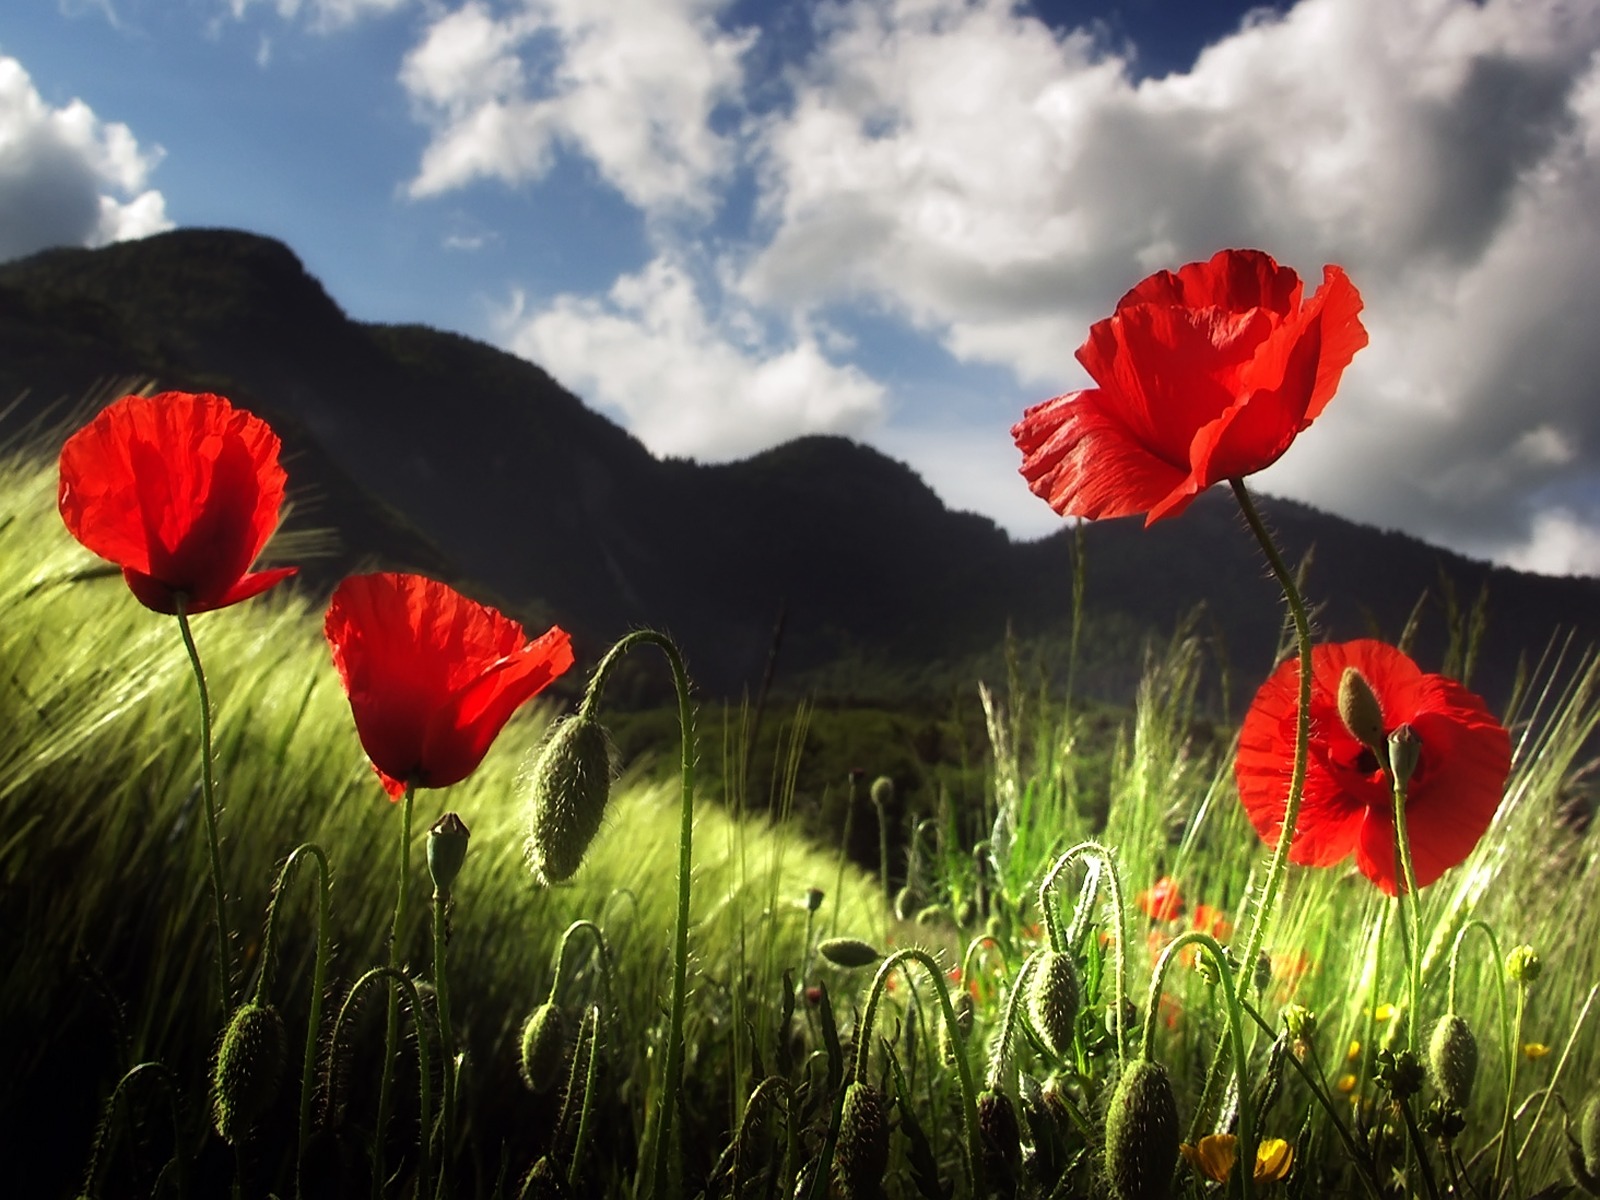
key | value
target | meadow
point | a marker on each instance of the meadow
(108, 943)
(1345, 948)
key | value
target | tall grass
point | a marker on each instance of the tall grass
(105, 940)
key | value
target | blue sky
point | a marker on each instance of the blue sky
(726, 223)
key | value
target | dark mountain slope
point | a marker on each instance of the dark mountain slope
(433, 452)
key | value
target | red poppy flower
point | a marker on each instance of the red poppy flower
(1162, 901)
(182, 492)
(432, 676)
(1465, 756)
(1205, 375)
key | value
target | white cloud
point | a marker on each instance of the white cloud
(1560, 543)
(684, 383)
(632, 85)
(67, 178)
(998, 185)
(322, 16)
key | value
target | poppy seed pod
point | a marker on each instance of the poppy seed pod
(544, 1047)
(1453, 1060)
(248, 1070)
(570, 782)
(447, 851)
(1053, 1001)
(848, 952)
(1142, 1133)
(861, 1156)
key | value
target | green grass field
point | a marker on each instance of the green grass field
(105, 926)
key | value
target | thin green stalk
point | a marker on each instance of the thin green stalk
(1279, 865)
(664, 1168)
(319, 977)
(863, 1039)
(994, 1077)
(102, 1133)
(1412, 920)
(1241, 1059)
(391, 1033)
(208, 796)
(398, 979)
(588, 1035)
(1513, 1055)
(441, 991)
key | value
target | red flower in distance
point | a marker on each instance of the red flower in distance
(1162, 901)
(432, 676)
(1465, 756)
(1204, 375)
(181, 491)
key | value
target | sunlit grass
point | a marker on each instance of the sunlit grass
(104, 911)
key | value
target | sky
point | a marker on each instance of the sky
(728, 223)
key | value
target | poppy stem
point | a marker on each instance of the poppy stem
(1412, 923)
(1241, 1057)
(209, 799)
(319, 974)
(665, 1171)
(391, 1034)
(1279, 865)
(863, 1050)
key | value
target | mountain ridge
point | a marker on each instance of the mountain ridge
(431, 451)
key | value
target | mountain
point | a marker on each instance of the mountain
(429, 451)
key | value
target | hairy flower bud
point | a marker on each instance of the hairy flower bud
(882, 791)
(1000, 1135)
(847, 952)
(1453, 1060)
(1053, 1001)
(248, 1070)
(1361, 712)
(1142, 1133)
(569, 785)
(544, 1047)
(861, 1156)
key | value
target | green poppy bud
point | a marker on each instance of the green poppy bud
(882, 791)
(1053, 998)
(1453, 1060)
(861, 1156)
(544, 1047)
(1142, 1133)
(248, 1070)
(1589, 1134)
(814, 898)
(1523, 964)
(848, 952)
(447, 850)
(569, 785)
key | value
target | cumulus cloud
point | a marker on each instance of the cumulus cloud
(686, 383)
(633, 86)
(998, 184)
(67, 178)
